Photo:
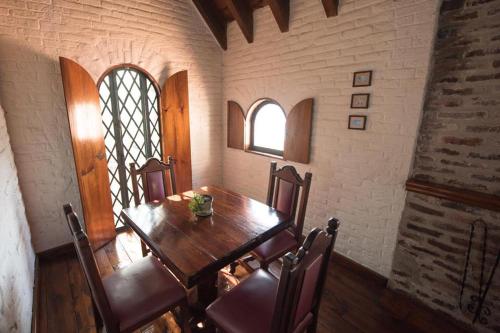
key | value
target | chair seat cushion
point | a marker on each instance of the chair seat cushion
(248, 307)
(275, 247)
(141, 292)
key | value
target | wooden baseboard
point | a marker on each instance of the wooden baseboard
(339, 259)
(35, 320)
(65, 249)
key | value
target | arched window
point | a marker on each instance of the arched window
(267, 127)
(130, 102)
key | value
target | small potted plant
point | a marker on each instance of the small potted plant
(201, 204)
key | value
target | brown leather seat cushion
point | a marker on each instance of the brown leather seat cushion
(275, 247)
(248, 307)
(141, 292)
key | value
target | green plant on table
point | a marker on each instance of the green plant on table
(196, 204)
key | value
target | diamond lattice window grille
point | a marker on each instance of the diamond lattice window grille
(131, 124)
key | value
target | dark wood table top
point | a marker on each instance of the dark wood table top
(197, 247)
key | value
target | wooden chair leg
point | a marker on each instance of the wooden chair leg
(144, 249)
(264, 265)
(97, 317)
(232, 267)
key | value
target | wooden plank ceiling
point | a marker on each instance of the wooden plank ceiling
(218, 13)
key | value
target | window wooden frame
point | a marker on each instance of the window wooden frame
(256, 108)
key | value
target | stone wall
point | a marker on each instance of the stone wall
(358, 176)
(161, 36)
(16, 253)
(458, 145)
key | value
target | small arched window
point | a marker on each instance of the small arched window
(267, 127)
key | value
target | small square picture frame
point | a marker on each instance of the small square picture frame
(362, 79)
(360, 101)
(357, 122)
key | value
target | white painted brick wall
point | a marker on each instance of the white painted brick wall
(162, 36)
(16, 253)
(357, 176)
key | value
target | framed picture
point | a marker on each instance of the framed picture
(357, 122)
(360, 101)
(362, 79)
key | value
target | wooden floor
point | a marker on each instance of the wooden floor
(351, 302)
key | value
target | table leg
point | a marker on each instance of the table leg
(207, 290)
(207, 293)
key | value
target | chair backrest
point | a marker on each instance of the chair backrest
(302, 280)
(90, 269)
(154, 180)
(283, 194)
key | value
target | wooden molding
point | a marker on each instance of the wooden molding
(331, 7)
(68, 248)
(35, 319)
(340, 259)
(217, 25)
(472, 198)
(243, 14)
(281, 13)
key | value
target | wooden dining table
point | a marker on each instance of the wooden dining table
(196, 248)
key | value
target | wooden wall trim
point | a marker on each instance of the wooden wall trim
(472, 198)
(340, 259)
(35, 310)
(68, 248)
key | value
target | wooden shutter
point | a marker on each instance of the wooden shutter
(84, 115)
(176, 141)
(298, 132)
(235, 126)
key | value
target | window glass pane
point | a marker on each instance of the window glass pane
(269, 127)
(129, 101)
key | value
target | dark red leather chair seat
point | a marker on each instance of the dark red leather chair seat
(275, 247)
(143, 290)
(248, 307)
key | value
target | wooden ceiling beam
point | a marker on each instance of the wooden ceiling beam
(281, 12)
(217, 25)
(331, 7)
(243, 14)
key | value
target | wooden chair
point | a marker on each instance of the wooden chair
(132, 297)
(154, 180)
(154, 183)
(263, 304)
(283, 195)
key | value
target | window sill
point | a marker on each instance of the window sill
(256, 152)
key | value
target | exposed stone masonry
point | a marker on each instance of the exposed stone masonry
(459, 141)
(458, 145)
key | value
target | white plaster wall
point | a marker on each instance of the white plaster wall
(16, 253)
(357, 176)
(162, 36)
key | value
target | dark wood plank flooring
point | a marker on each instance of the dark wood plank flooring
(351, 302)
